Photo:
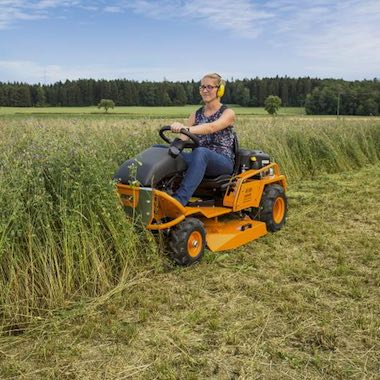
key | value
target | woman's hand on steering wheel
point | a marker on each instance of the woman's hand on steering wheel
(194, 140)
(176, 127)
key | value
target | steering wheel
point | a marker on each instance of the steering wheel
(194, 139)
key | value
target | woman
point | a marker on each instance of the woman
(213, 125)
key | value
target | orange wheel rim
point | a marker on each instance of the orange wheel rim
(278, 210)
(194, 244)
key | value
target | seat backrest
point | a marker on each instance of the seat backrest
(236, 153)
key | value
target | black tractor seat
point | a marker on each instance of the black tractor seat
(218, 185)
(214, 186)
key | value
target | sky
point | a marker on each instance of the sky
(45, 41)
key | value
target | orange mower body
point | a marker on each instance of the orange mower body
(228, 210)
(253, 201)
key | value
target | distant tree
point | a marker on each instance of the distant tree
(129, 94)
(322, 101)
(3, 95)
(368, 107)
(21, 96)
(242, 96)
(114, 91)
(178, 95)
(106, 104)
(86, 87)
(272, 104)
(284, 95)
(162, 96)
(188, 86)
(62, 94)
(73, 93)
(40, 97)
(148, 96)
(103, 89)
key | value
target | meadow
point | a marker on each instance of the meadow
(83, 295)
(135, 111)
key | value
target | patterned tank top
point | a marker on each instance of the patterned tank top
(221, 141)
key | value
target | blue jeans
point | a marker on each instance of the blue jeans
(201, 162)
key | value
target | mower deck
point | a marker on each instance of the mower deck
(160, 211)
(229, 234)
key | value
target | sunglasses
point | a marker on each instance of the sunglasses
(208, 87)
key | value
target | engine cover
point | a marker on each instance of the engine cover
(150, 167)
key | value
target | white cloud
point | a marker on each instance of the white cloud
(324, 37)
(34, 72)
(12, 11)
(240, 17)
(44, 4)
(113, 9)
(337, 38)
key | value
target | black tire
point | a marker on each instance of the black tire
(187, 242)
(273, 207)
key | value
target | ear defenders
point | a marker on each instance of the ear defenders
(221, 87)
(220, 92)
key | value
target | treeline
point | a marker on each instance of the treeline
(344, 98)
(87, 92)
(321, 96)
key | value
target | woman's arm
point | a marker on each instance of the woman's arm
(226, 119)
(191, 120)
(176, 127)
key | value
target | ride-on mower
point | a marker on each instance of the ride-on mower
(226, 211)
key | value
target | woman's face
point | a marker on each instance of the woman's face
(208, 89)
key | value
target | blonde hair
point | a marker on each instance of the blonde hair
(216, 77)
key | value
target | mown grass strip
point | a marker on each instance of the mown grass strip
(301, 303)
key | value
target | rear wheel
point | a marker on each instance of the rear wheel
(273, 207)
(187, 242)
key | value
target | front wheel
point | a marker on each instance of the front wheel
(187, 242)
(273, 207)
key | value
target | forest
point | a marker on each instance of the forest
(318, 96)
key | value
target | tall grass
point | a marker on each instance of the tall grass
(63, 235)
(62, 232)
(307, 147)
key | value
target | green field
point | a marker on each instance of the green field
(83, 295)
(137, 112)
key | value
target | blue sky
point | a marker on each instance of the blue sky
(49, 40)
